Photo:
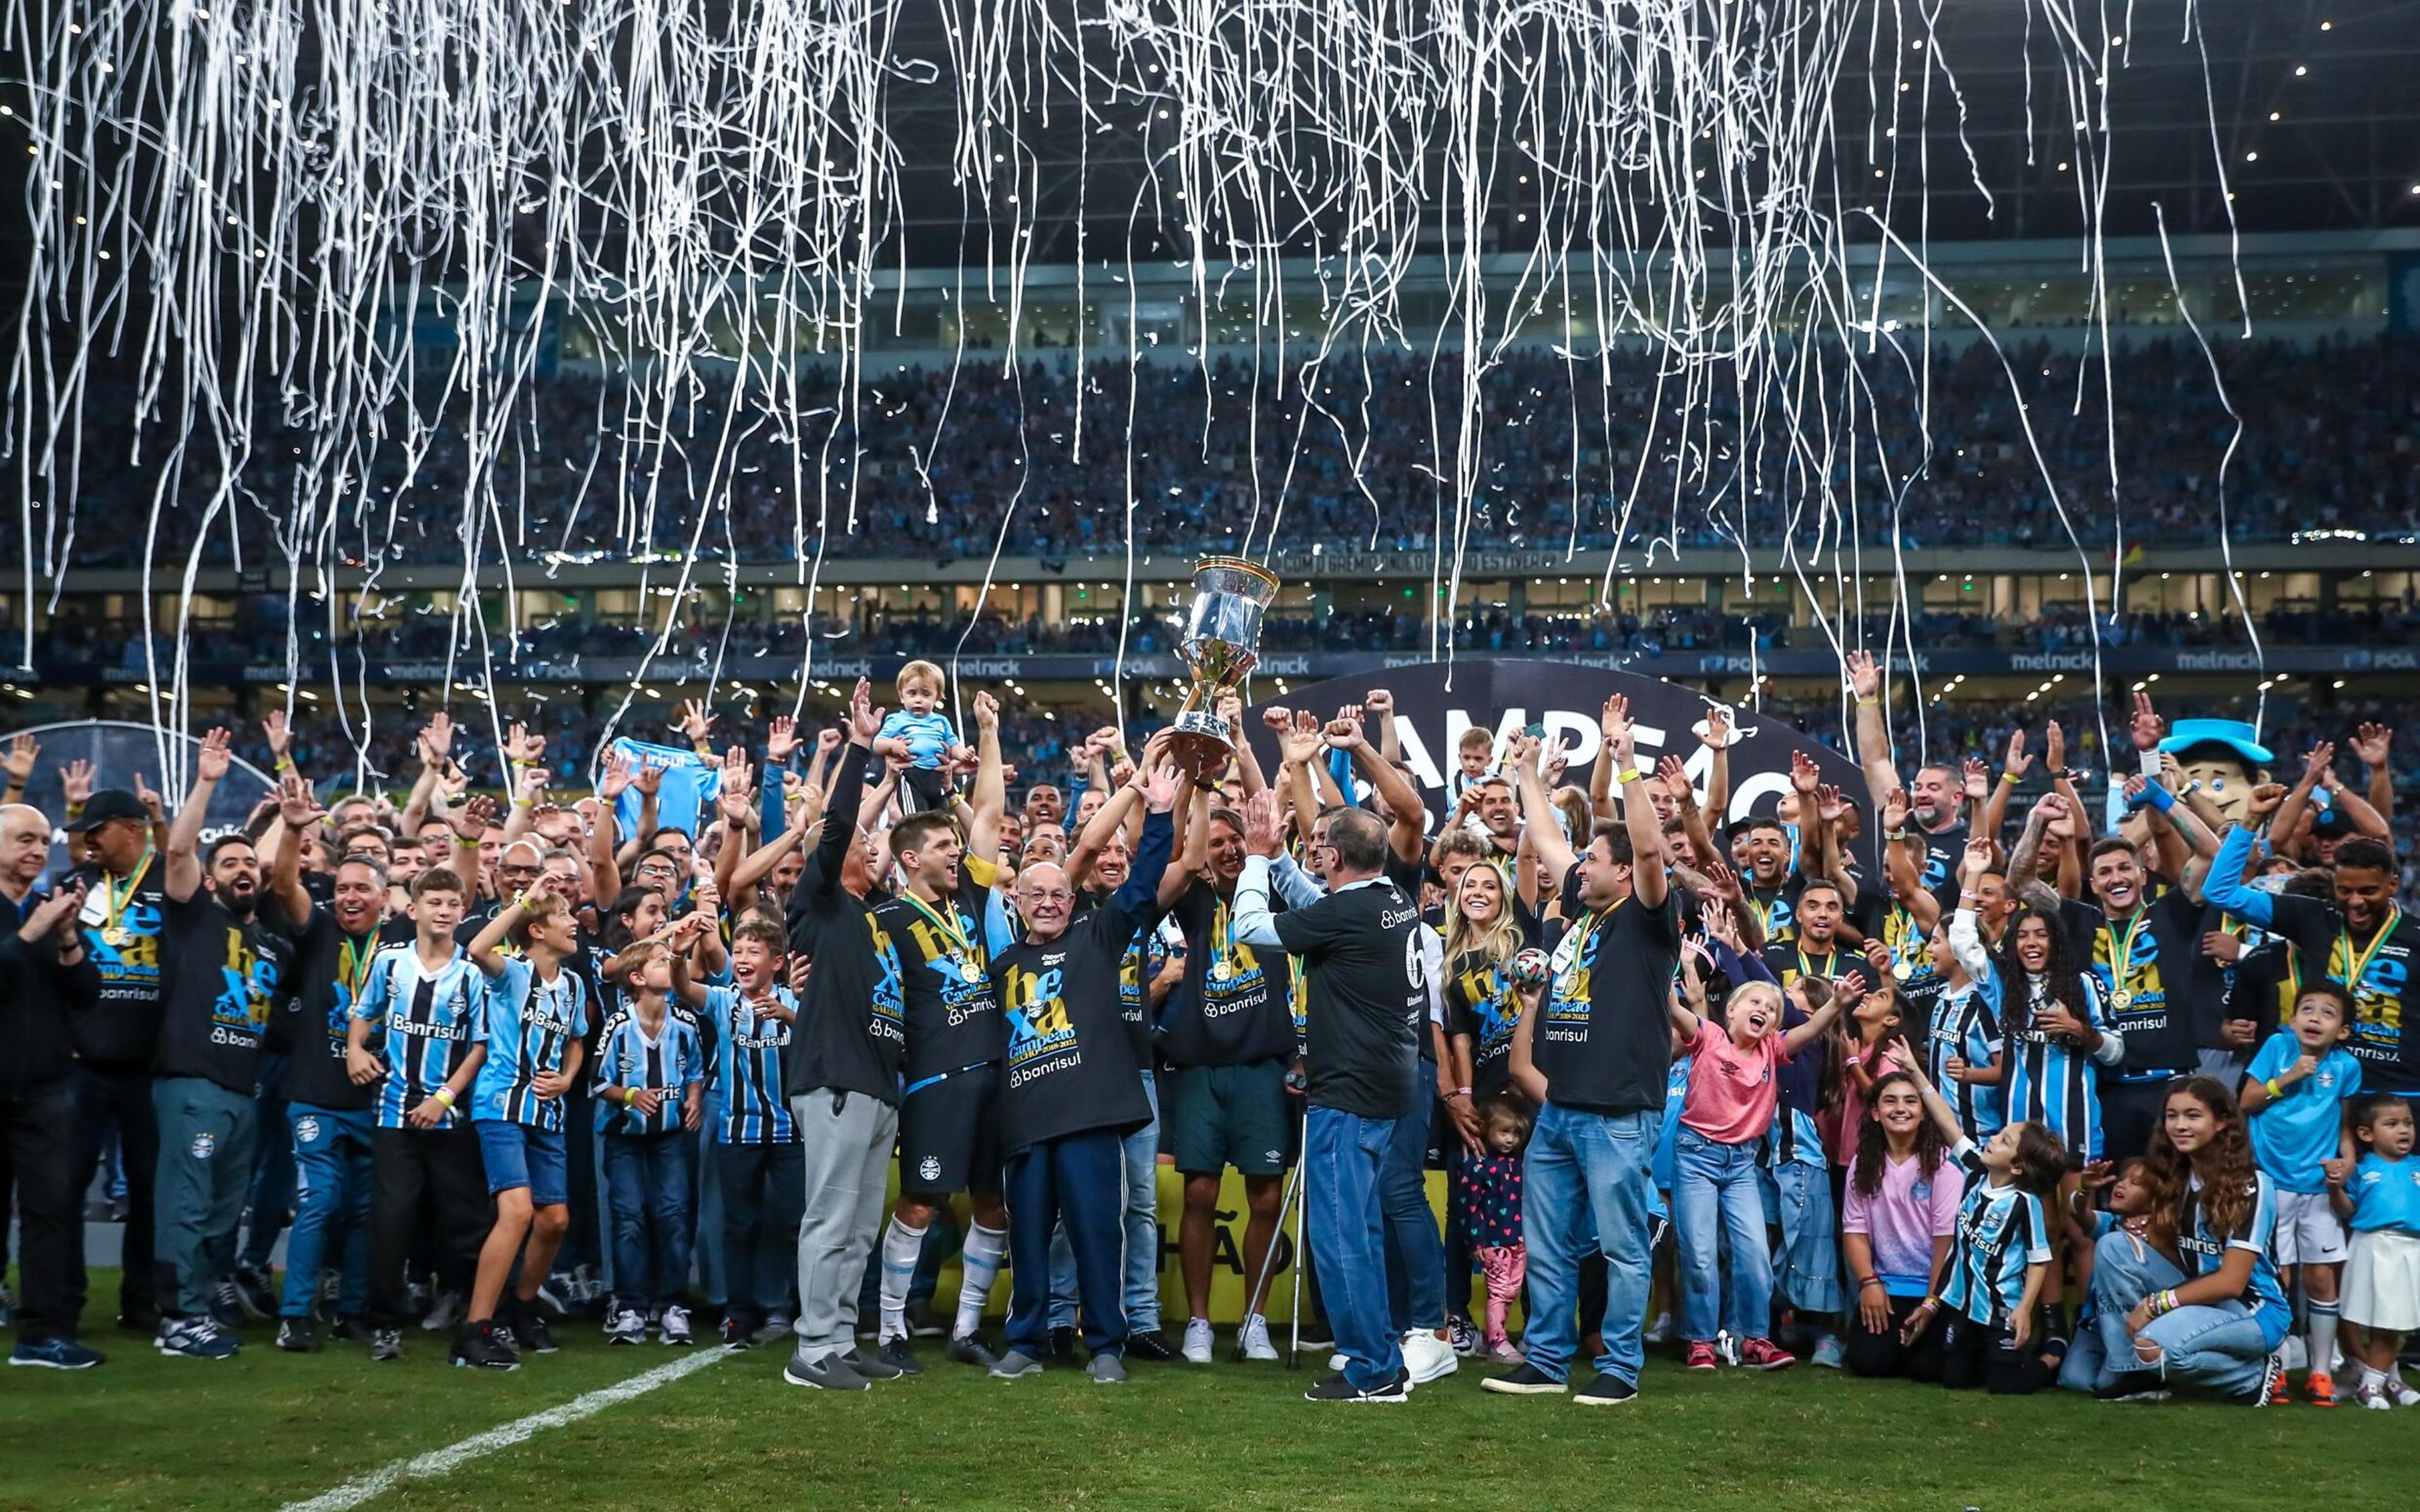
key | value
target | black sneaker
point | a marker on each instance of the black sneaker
(296, 1335)
(735, 1331)
(1150, 1346)
(1605, 1391)
(386, 1344)
(477, 1347)
(2271, 1388)
(968, 1349)
(530, 1330)
(829, 1373)
(893, 1360)
(1338, 1389)
(1063, 1345)
(924, 1324)
(350, 1329)
(1525, 1381)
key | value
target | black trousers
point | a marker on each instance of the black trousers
(1883, 1354)
(2129, 1112)
(443, 1167)
(1974, 1354)
(763, 1187)
(121, 1099)
(36, 1131)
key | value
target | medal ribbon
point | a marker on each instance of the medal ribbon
(118, 900)
(951, 931)
(2121, 952)
(2359, 961)
(353, 967)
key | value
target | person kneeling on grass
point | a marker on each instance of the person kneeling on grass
(531, 1023)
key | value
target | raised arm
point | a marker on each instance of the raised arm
(1248, 765)
(989, 799)
(1965, 939)
(1380, 705)
(299, 809)
(2373, 744)
(2296, 807)
(1647, 884)
(1873, 736)
(1404, 810)
(1538, 825)
(2024, 862)
(1718, 740)
(184, 869)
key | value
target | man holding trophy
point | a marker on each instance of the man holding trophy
(1230, 1033)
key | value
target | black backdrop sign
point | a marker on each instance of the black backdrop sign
(1503, 697)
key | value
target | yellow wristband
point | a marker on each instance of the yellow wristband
(2273, 1090)
(2010, 776)
(1868, 703)
(1629, 773)
(445, 1097)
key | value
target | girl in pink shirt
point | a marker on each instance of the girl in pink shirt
(1897, 1219)
(1723, 1115)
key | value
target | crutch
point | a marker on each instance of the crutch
(1261, 1283)
(1301, 1252)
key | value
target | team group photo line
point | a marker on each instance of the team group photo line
(2013, 1079)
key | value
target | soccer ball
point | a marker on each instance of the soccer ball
(1531, 968)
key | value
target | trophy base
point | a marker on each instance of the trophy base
(1201, 745)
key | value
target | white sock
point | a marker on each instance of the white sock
(979, 1264)
(2320, 1331)
(901, 1244)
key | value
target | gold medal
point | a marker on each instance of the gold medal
(969, 970)
(2121, 999)
(1220, 971)
(1903, 969)
(114, 933)
(114, 937)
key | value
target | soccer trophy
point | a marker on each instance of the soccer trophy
(1220, 647)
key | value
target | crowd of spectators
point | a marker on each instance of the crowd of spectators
(1044, 459)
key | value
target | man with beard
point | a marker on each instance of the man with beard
(1933, 798)
(224, 967)
(1074, 1091)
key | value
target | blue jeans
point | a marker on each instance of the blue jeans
(1716, 1195)
(1415, 1253)
(1073, 1186)
(1343, 1161)
(331, 1169)
(648, 1179)
(273, 1174)
(1798, 1200)
(206, 1135)
(1141, 1156)
(1585, 1187)
(2124, 1271)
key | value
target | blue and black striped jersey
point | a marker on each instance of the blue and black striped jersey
(428, 1019)
(749, 1050)
(668, 1061)
(2001, 1231)
(529, 1028)
(2052, 1080)
(1964, 1026)
(2204, 1251)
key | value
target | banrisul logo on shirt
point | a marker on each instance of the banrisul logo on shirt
(247, 983)
(1041, 1037)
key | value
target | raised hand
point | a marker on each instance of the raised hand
(1343, 733)
(297, 804)
(1378, 702)
(1675, 778)
(1864, 678)
(987, 713)
(210, 762)
(1278, 718)
(1159, 787)
(2016, 763)
(2146, 726)
(474, 817)
(19, 763)
(864, 720)
(829, 740)
(523, 748)
(1264, 830)
(75, 780)
(1829, 806)
(2371, 743)
(529, 786)
(614, 779)
(780, 739)
(1895, 810)
(1298, 741)
(1977, 778)
(279, 735)
(437, 740)
(2319, 762)
(1621, 740)
(1719, 728)
(150, 799)
(1804, 774)
(696, 722)
(649, 779)
(2264, 800)
(1550, 768)
(2054, 751)
(1975, 862)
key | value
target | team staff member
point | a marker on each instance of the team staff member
(2363, 939)
(224, 967)
(943, 928)
(1073, 1090)
(1600, 1058)
(115, 1044)
(843, 1075)
(1367, 985)
(330, 1116)
(52, 983)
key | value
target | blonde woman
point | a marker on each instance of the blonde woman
(1485, 927)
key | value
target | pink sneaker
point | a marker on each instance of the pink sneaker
(1762, 1355)
(1702, 1354)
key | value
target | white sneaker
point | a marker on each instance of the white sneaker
(674, 1328)
(1336, 1363)
(1198, 1343)
(445, 1314)
(2294, 1354)
(1428, 1357)
(1256, 1340)
(2403, 1395)
(1660, 1331)
(627, 1326)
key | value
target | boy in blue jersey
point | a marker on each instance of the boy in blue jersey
(534, 1016)
(756, 1148)
(421, 1002)
(2294, 1096)
(650, 1093)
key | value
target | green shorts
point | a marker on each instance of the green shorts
(1222, 1116)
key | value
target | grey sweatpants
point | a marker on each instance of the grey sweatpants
(848, 1138)
(207, 1137)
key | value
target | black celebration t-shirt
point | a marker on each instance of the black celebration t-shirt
(1367, 986)
(1238, 1004)
(226, 974)
(329, 969)
(1604, 1040)
(849, 1036)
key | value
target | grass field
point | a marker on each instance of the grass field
(266, 1429)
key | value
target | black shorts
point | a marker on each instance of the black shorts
(949, 1135)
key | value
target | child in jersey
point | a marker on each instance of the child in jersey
(2000, 1265)
(756, 1148)
(1728, 1111)
(650, 1094)
(2130, 1249)
(931, 740)
(2220, 1329)
(419, 1005)
(532, 1025)
(1795, 1174)
(2294, 1095)
(2381, 1199)
(1963, 1046)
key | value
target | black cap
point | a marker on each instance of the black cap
(106, 804)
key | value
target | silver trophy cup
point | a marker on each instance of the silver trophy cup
(1220, 647)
